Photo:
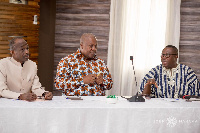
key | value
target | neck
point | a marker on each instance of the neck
(173, 66)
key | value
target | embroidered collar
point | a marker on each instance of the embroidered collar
(171, 72)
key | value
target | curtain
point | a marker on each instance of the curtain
(139, 28)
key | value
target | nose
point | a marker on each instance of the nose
(94, 48)
(26, 51)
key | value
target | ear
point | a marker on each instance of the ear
(81, 45)
(11, 52)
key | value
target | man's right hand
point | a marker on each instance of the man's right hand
(147, 87)
(89, 79)
(152, 82)
(28, 97)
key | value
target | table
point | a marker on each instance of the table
(94, 115)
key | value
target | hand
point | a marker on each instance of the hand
(48, 95)
(151, 81)
(147, 87)
(28, 97)
(89, 79)
(99, 79)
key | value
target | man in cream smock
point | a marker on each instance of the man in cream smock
(18, 74)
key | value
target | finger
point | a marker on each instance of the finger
(48, 97)
(156, 85)
(34, 96)
(48, 94)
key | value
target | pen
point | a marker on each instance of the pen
(98, 74)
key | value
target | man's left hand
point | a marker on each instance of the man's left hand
(99, 79)
(48, 96)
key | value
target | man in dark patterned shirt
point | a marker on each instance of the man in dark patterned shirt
(82, 73)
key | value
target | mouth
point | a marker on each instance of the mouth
(92, 53)
(164, 62)
(26, 57)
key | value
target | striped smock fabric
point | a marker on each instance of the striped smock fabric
(72, 69)
(172, 82)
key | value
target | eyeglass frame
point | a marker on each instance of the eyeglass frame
(167, 55)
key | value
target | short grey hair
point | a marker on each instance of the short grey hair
(12, 42)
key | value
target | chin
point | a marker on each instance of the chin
(25, 59)
(165, 66)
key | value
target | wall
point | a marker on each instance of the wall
(17, 20)
(75, 17)
(190, 35)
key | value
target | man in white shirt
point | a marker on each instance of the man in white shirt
(18, 74)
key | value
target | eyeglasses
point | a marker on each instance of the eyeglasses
(166, 55)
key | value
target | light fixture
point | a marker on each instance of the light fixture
(25, 2)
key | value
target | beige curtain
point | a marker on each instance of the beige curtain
(139, 28)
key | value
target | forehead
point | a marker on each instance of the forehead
(20, 43)
(90, 40)
(167, 50)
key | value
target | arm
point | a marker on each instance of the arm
(4, 90)
(36, 85)
(38, 90)
(146, 87)
(107, 79)
(64, 78)
(192, 83)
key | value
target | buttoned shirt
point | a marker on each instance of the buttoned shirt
(72, 69)
(172, 82)
(16, 80)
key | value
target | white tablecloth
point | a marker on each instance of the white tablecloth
(95, 115)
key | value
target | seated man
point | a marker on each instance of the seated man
(170, 80)
(18, 74)
(82, 73)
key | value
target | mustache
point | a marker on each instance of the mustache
(27, 54)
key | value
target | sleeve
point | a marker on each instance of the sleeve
(64, 78)
(192, 83)
(150, 75)
(4, 90)
(107, 79)
(36, 85)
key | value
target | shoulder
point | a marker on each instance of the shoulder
(156, 68)
(5, 61)
(30, 63)
(184, 67)
(100, 61)
(69, 57)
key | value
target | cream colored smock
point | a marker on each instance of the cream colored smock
(15, 79)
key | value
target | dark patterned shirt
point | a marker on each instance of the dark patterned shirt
(71, 70)
(172, 82)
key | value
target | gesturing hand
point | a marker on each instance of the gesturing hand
(152, 81)
(89, 79)
(99, 79)
(28, 97)
(147, 87)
